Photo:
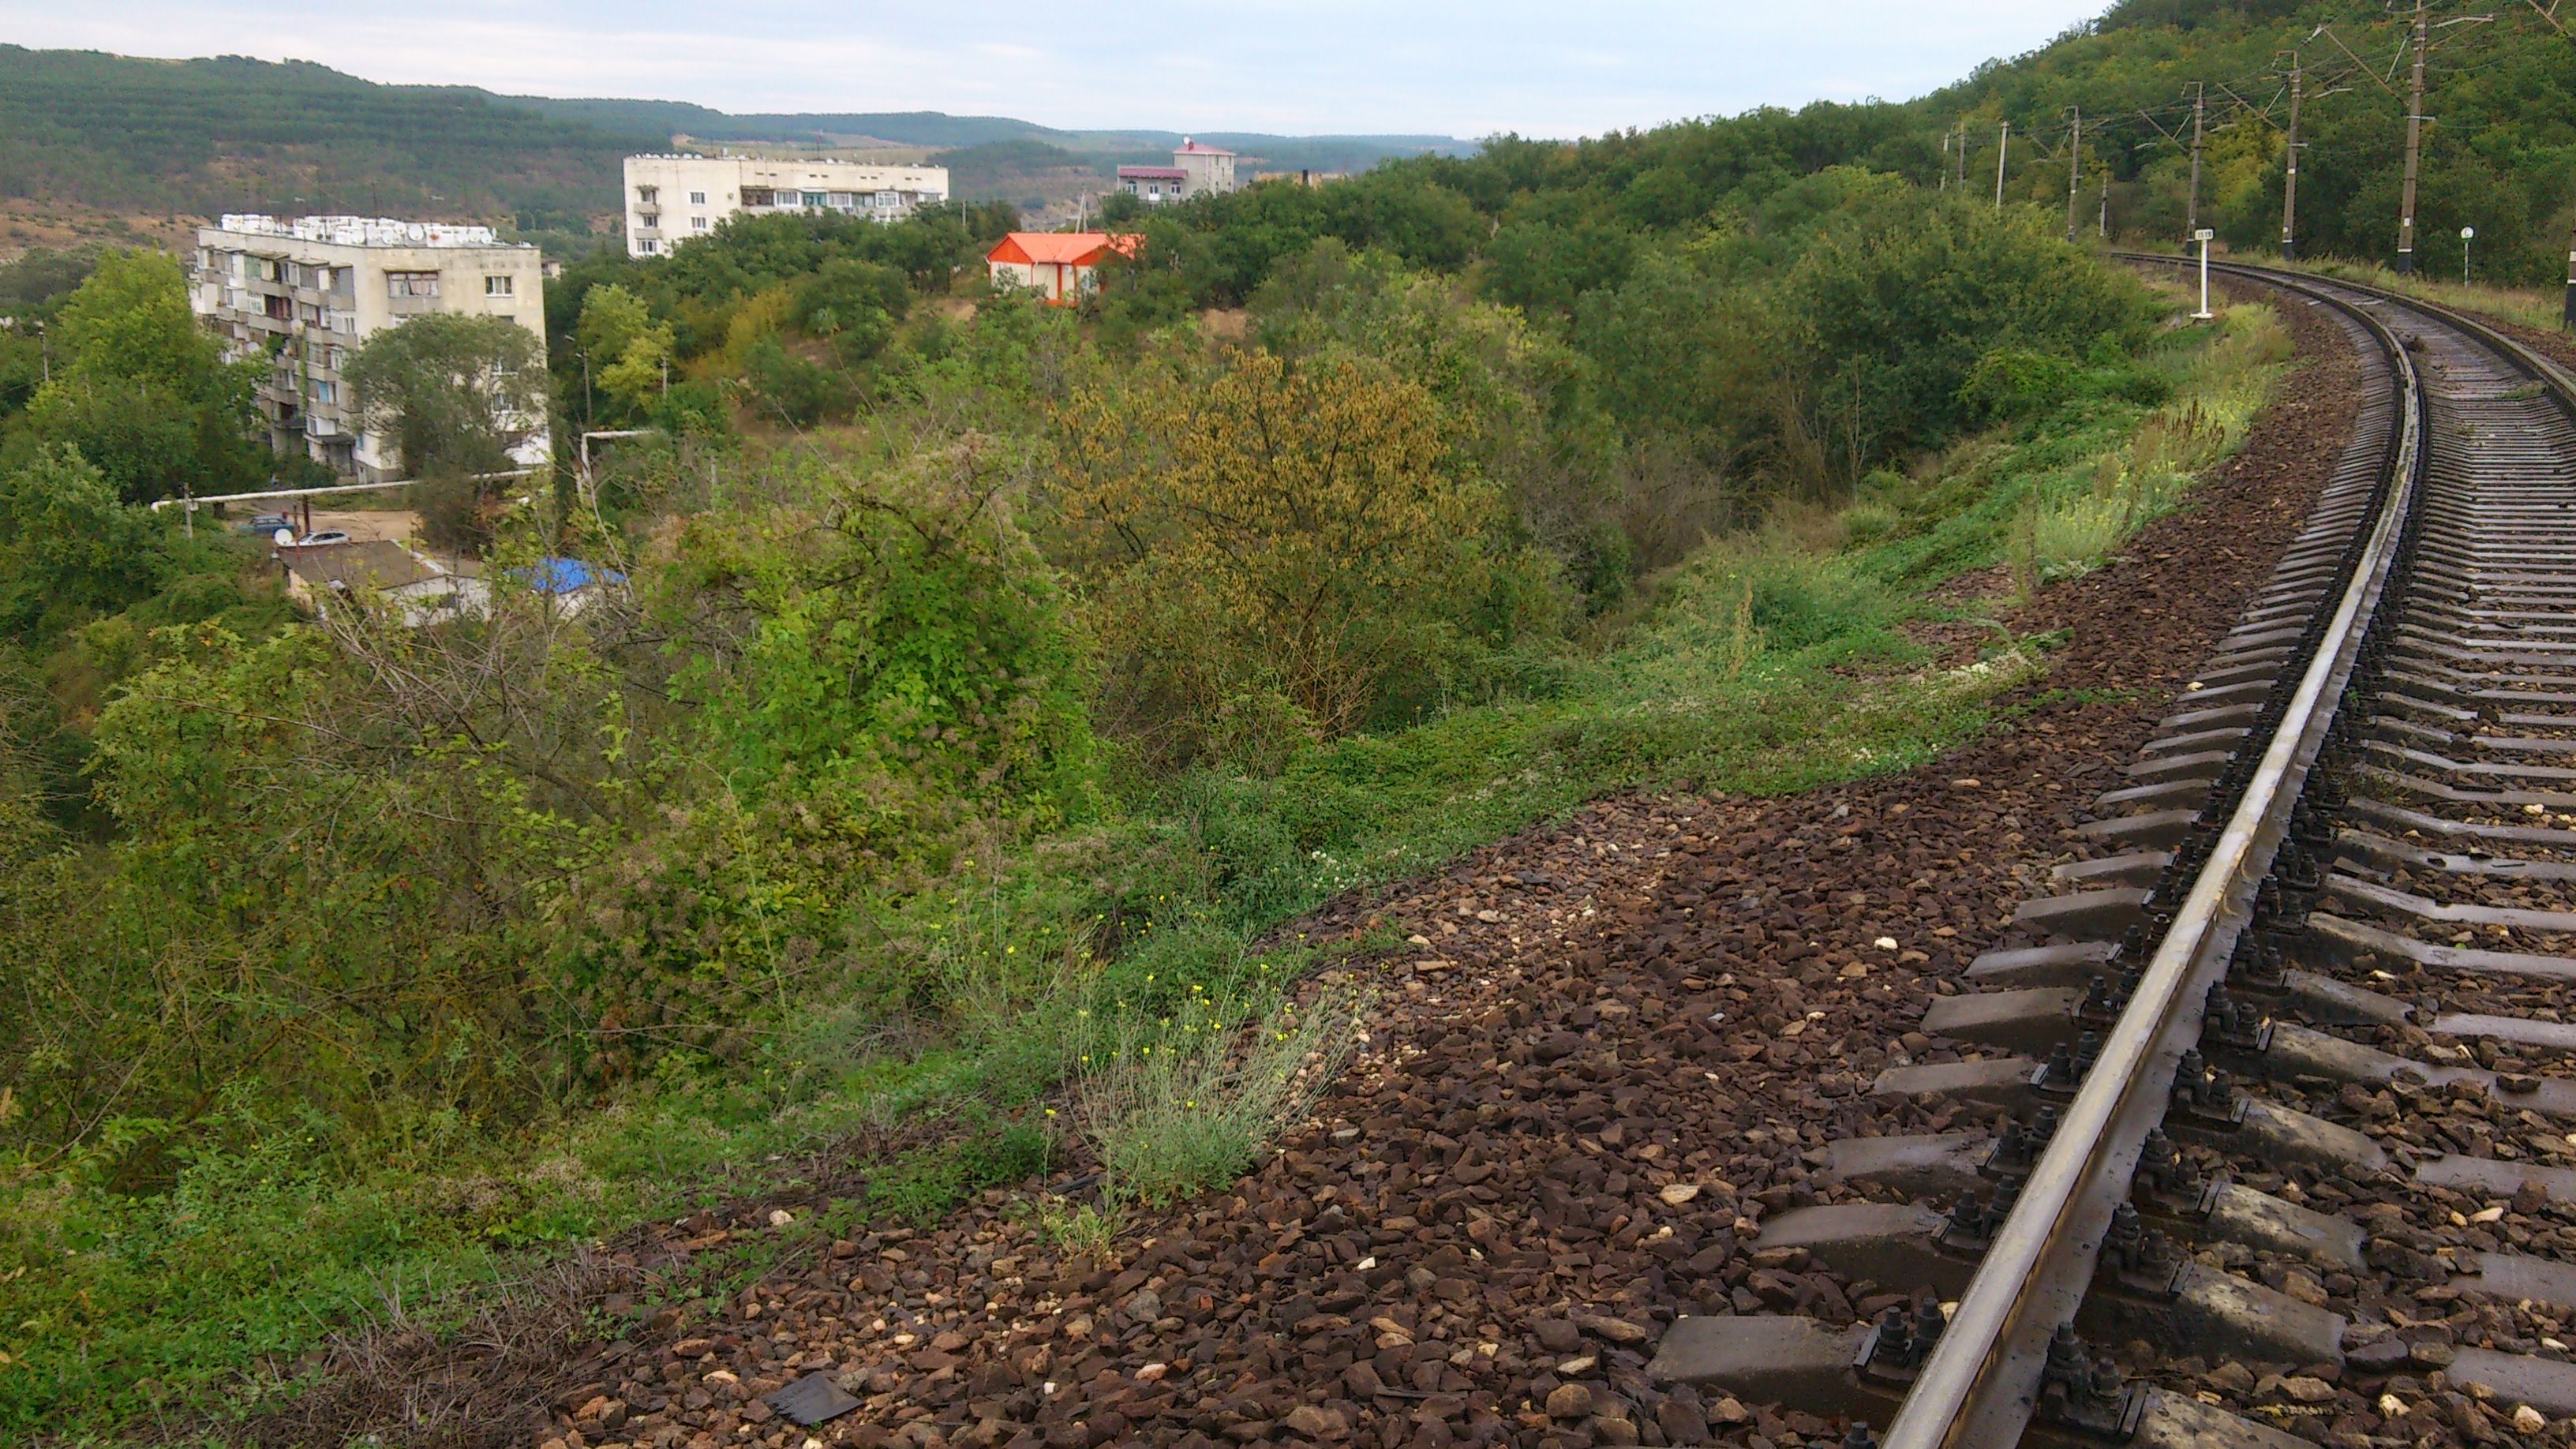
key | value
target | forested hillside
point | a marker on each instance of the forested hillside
(199, 137)
(233, 134)
(939, 130)
(2499, 152)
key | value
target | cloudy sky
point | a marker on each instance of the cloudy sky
(1313, 66)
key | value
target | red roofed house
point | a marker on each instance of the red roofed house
(1062, 264)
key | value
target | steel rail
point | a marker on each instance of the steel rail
(1981, 1384)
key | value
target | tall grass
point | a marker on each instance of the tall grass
(2079, 517)
(2531, 308)
(1180, 1100)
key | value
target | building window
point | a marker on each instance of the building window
(697, 223)
(759, 196)
(814, 199)
(650, 218)
(325, 391)
(411, 284)
(697, 198)
(648, 194)
(498, 286)
(648, 245)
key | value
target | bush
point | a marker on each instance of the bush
(1899, 295)
(2011, 383)
(1305, 532)
(1178, 1102)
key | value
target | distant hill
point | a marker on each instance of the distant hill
(940, 130)
(231, 133)
(120, 135)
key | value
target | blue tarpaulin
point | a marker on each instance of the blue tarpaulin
(553, 575)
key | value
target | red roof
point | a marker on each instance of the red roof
(1154, 173)
(1062, 248)
(1190, 147)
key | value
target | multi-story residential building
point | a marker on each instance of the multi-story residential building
(671, 199)
(305, 293)
(1195, 170)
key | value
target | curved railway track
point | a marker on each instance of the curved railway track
(2278, 1095)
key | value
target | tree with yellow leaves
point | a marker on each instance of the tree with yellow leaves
(1277, 540)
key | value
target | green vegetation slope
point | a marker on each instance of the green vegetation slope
(234, 134)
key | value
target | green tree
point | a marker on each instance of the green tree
(855, 303)
(458, 396)
(139, 389)
(130, 321)
(1898, 295)
(69, 547)
(1277, 539)
(629, 352)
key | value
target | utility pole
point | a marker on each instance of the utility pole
(2414, 146)
(2003, 148)
(2199, 98)
(2290, 176)
(2103, 223)
(2074, 169)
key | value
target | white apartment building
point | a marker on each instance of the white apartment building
(671, 199)
(305, 292)
(1195, 170)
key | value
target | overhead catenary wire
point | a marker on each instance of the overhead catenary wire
(2124, 132)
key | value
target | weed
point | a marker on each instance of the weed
(921, 1186)
(1076, 1229)
(1179, 1102)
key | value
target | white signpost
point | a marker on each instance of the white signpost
(2203, 236)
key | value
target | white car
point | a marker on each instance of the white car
(328, 535)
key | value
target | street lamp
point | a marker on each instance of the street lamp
(2466, 232)
(2203, 236)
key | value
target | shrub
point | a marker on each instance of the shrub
(1301, 531)
(1176, 1103)
(2011, 383)
(1899, 295)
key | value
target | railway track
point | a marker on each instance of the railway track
(2277, 1096)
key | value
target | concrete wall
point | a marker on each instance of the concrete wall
(1207, 171)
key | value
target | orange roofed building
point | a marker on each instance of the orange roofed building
(1062, 264)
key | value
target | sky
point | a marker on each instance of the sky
(1308, 67)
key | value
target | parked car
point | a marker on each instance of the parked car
(266, 525)
(328, 535)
